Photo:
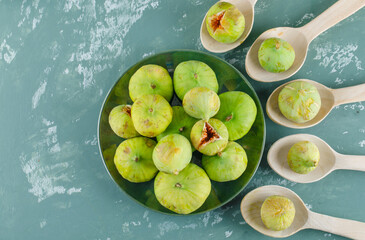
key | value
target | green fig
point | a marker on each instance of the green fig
(121, 122)
(224, 22)
(183, 193)
(238, 112)
(201, 102)
(172, 153)
(276, 55)
(151, 115)
(226, 165)
(151, 79)
(133, 159)
(277, 212)
(191, 74)
(303, 157)
(299, 101)
(181, 123)
(209, 137)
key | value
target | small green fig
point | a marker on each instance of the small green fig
(276, 55)
(209, 137)
(172, 153)
(299, 101)
(277, 212)
(238, 112)
(150, 79)
(225, 23)
(227, 165)
(183, 193)
(303, 157)
(151, 115)
(133, 159)
(121, 122)
(201, 102)
(191, 74)
(181, 123)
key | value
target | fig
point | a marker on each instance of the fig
(151, 115)
(181, 123)
(172, 153)
(201, 103)
(238, 112)
(183, 193)
(277, 212)
(226, 165)
(133, 159)
(150, 79)
(121, 122)
(191, 74)
(299, 101)
(276, 55)
(225, 23)
(303, 157)
(209, 137)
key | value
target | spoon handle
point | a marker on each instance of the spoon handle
(349, 94)
(334, 14)
(350, 162)
(339, 226)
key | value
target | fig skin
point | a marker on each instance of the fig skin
(209, 137)
(225, 23)
(191, 74)
(151, 115)
(172, 153)
(227, 165)
(277, 212)
(276, 55)
(299, 101)
(303, 157)
(121, 122)
(133, 159)
(151, 79)
(238, 112)
(201, 103)
(183, 193)
(181, 123)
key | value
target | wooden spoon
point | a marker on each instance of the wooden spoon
(304, 218)
(299, 38)
(329, 161)
(246, 7)
(330, 98)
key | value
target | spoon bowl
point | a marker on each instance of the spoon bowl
(327, 103)
(251, 210)
(294, 36)
(246, 7)
(277, 158)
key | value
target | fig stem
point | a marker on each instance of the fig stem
(229, 118)
(136, 159)
(178, 185)
(150, 110)
(153, 86)
(219, 154)
(181, 129)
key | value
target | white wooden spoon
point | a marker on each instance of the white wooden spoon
(304, 218)
(329, 160)
(330, 98)
(299, 38)
(246, 7)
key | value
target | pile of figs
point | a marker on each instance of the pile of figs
(160, 139)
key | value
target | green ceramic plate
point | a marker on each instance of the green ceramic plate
(229, 79)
